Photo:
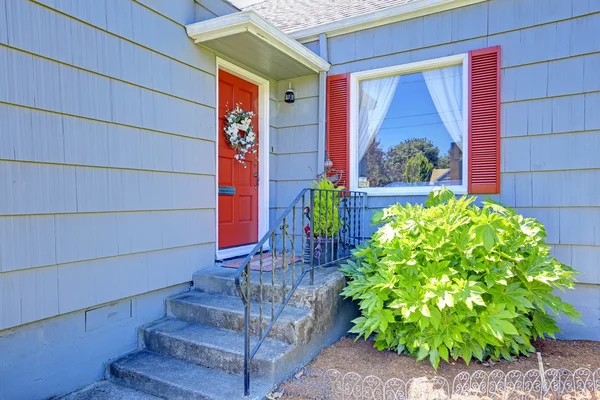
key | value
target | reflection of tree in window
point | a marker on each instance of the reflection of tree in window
(417, 169)
(376, 171)
(404, 122)
(384, 168)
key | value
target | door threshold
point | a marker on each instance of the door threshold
(239, 251)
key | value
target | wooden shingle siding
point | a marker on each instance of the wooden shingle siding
(110, 55)
(113, 101)
(65, 139)
(147, 27)
(516, 154)
(579, 226)
(69, 189)
(550, 124)
(294, 141)
(111, 275)
(515, 14)
(592, 116)
(17, 233)
(557, 70)
(585, 299)
(28, 296)
(313, 46)
(203, 13)
(405, 57)
(180, 11)
(3, 24)
(585, 259)
(531, 44)
(107, 143)
(218, 7)
(523, 190)
(32, 366)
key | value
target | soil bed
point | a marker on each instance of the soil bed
(360, 357)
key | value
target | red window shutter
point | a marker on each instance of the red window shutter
(484, 121)
(338, 124)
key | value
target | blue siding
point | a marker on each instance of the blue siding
(313, 46)
(559, 70)
(294, 141)
(52, 362)
(550, 119)
(180, 11)
(107, 152)
(3, 24)
(592, 116)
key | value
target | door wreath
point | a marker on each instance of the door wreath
(239, 132)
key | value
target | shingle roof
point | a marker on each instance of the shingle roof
(291, 15)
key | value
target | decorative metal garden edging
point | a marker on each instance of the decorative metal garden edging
(552, 384)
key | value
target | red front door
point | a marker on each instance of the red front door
(238, 186)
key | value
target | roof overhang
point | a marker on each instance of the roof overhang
(247, 38)
(374, 19)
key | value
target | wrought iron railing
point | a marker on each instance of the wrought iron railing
(318, 229)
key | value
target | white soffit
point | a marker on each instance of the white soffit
(247, 38)
(374, 19)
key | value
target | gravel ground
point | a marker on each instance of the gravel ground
(360, 357)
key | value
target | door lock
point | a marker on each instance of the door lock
(255, 173)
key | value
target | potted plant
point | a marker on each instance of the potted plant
(325, 222)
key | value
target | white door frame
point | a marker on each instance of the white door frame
(263, 156)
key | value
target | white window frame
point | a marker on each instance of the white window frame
(404, 69)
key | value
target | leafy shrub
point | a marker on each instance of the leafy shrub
(451, 279)
(326, 203)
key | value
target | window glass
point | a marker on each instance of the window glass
(410, 130)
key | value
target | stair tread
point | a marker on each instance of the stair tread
(144, 367)
(106, 390)
(322, 275)
(234, 304)
(215, 338)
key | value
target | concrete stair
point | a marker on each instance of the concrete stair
(170, 378)
(214, 348)
(197, 351)
(227, 312)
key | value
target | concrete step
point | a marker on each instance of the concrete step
(106, 390)
(216, 348)
(293, 326)
(222, 281)
(173, 379)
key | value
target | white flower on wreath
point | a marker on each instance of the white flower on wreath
(245, 124)
(239, 132)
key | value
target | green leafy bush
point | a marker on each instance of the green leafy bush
(451, 279)
(326, 203)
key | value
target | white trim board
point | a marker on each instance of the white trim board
(374, 19)
(263, 155)
(249, 21)
(357, 77)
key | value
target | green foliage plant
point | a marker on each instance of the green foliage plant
(454, 280)
(326, 207)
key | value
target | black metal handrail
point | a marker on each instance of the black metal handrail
(332, 222)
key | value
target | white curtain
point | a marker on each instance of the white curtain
(375, 98)
(446, 88)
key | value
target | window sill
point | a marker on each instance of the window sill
(419, 191)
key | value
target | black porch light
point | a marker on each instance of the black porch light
(289, 95)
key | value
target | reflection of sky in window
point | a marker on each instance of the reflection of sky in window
(412, 114)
